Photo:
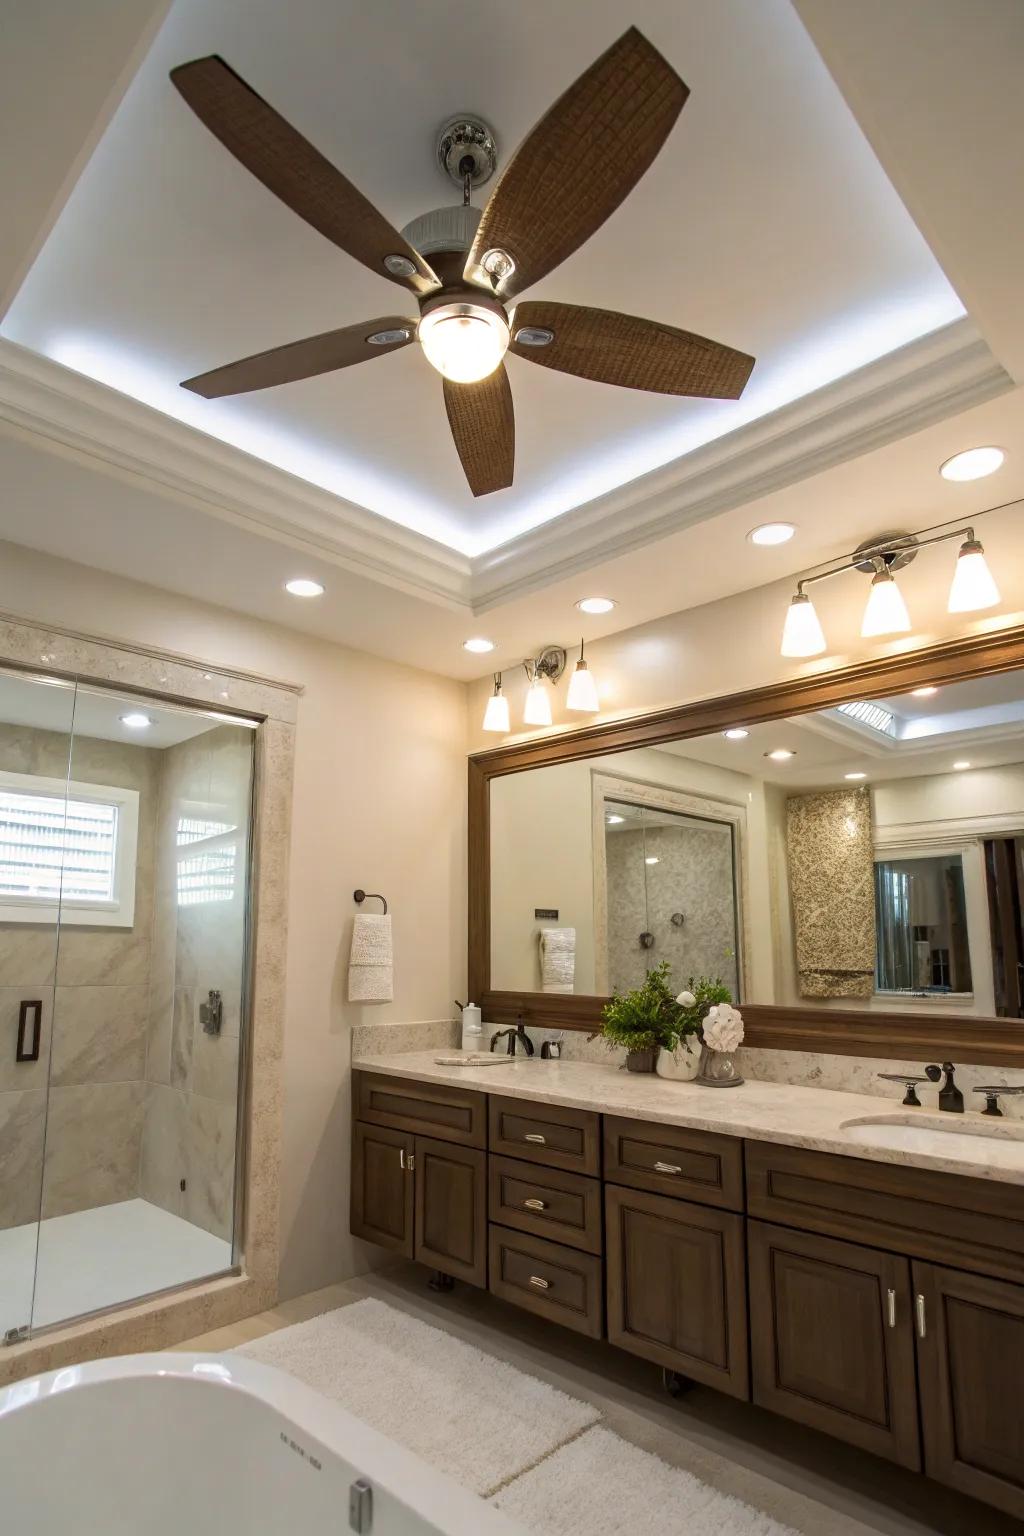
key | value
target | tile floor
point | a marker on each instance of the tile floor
(100, 1257)
(816, 1485)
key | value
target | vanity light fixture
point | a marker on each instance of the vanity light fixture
(973, 586)
(496, 717)
(972, 464)
(780, 754)
(961, 765)
(582, 693)
(736, 733)
(304, 586)
(540, 670)
(478, 645)
(135, 720)
(596, 604)
(771, 533)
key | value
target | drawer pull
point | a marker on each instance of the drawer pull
(667, 1168)
(922, 1327)
(890, 1308)
(535, 1205)
(542, 1285)
(537, 1137)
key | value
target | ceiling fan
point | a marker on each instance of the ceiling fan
(569, 174)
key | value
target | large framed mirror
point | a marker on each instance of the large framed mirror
(845, 853)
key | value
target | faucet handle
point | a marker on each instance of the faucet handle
(909, 1080)
(993, 1093)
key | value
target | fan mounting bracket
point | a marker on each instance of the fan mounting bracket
(466, 147)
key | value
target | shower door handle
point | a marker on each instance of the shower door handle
(30, 1017)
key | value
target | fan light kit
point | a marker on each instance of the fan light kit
(885, 613)
(465, 266)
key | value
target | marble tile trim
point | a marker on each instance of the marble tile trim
(125, 665)
(164, 1320)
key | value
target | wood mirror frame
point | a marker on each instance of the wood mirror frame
(850, 1032)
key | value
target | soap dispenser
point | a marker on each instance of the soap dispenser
(472, 1028)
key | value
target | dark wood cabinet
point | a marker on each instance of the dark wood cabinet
(382, 1187)
(451, 1209)
(676, 1286)
(970, 1351)
(831, 1338)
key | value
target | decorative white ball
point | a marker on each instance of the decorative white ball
(686, 999)
(723, 1027)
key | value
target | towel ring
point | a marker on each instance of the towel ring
(360, 896)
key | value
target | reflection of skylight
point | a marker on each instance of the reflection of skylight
(873, 715)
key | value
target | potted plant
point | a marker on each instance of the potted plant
(706, 1011)
(644, 1021)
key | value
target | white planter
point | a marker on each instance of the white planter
(682, 1064)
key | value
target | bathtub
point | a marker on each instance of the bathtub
(209, 1445)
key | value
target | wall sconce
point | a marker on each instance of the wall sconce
(541, 670)
(496, 714)
(582, 693)
(886, 613)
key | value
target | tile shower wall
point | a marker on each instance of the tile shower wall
(95, 990)
(188, 1134)
(693, 877)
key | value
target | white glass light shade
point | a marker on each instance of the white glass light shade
(496, 717)
(465, 342)
(886, 612)
(973, 586)
(537, 710)
(582, 693)
(802, 634)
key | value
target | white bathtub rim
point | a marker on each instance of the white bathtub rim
(384, 1462)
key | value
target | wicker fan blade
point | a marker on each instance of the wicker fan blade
(610, 348)
(576, 166)
(483, 425)
(289, 166)
(305, 359)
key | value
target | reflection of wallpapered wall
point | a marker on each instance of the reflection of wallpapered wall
(831, 885)
(694, 876)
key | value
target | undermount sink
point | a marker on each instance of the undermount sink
(958, 1134)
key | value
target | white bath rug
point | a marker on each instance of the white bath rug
(600, 1485)
(468, 1414)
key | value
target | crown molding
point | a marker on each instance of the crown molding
(69, 412)
(932, 378)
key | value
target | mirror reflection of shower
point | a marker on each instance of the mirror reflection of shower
(124, 894)
(671, 895)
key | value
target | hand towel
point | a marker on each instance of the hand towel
(557, 959)
(371, 959)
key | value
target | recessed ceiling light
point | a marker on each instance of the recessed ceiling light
(771, 533)
(303, 586)
(780, 755)
(961, 765)
(736, 733)
(596, 604)
(136, 721)
(652, 859)
(854, 775)
(613, 821)
(478, 644)
(972, 464)
(922, 693)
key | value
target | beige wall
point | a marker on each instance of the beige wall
(380, 793)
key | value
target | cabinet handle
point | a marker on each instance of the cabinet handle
(667, 1168)
(535, 1136)
(922, 1328)
(542, 1285)
(401, 1158)
(890, 1307)
(535, 1205)
(410, 1162)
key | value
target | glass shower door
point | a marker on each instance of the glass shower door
(36, 719)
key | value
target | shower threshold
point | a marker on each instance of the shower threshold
(99, 1258)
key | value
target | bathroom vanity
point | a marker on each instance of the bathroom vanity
(779, 1244)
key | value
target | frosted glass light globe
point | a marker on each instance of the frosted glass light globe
(464, 342)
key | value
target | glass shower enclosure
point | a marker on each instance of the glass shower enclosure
(125, 835)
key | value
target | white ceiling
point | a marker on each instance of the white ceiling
(49, 704)
(766, 222)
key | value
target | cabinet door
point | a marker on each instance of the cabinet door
(382, 1187)
(831, 1338)
(676, 1286)
(971, 1364)
(451, 1209)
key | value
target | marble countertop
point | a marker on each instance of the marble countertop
(816, 1118)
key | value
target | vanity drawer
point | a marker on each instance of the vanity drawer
(429, 1109)
(546, 1278)
(564, 1207)
(947, 1218)
(668, 1160)
(546, 1133)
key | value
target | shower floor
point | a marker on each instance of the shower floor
(98, 1258)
